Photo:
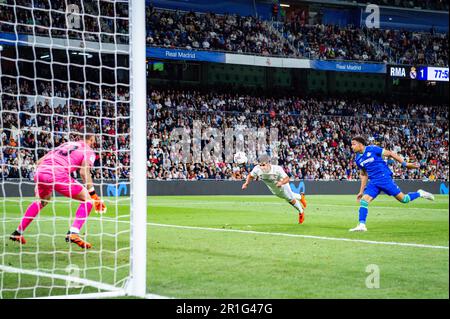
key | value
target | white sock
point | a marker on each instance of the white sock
(74, 230)
(298, 206)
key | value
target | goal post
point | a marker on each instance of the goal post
(139, 149)
(66, 65)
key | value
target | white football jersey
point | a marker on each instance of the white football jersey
(270, 178)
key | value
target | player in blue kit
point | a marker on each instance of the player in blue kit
(376, 177)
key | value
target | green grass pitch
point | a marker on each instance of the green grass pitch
(241, 247)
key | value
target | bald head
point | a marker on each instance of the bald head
(89, 135)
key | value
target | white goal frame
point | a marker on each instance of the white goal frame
(138, 91)
(136, 284)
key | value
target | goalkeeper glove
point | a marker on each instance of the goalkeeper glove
(99, 205)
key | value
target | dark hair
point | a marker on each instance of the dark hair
(360, 139)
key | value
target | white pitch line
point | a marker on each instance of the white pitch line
(301, 236)
(311, 205)
(277, 234)
(9, 203)
(356, 206)
(281, 234)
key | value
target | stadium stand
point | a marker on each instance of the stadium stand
(248, 35)
(190, 30)
(440, 5)
(314, 133)
(51, 20)
(327, 42)
(314, 130)
(234, 33)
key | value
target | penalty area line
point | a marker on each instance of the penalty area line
(373, 242)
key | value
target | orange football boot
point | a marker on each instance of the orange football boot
(76, 239)
(303, 200)
(301, 217)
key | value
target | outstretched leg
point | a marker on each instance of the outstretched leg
(301, 197)
(301, 214)
(296, 200)
(44, 193)
(406, 198)
(32, 211)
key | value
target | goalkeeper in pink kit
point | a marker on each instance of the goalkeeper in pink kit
(54, 173)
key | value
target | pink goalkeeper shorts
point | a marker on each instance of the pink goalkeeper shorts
(64, 185)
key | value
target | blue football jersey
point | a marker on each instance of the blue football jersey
(371, 160)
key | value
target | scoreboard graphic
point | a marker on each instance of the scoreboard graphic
(422, 73)
(427, 73)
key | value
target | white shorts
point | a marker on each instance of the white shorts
(285, 192)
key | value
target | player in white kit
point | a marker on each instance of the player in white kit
(277, 181)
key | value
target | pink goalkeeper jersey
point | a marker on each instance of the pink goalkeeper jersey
(66, 158)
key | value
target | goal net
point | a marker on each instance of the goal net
(67, 66)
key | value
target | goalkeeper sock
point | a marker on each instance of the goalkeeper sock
(82, 214)
(32, 211)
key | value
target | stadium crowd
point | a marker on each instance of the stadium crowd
(294, 37)
(440, 5)
(105, 21)
(34, 126)
(407, 47)
(328, 42)
(313, 133)
(190, 30)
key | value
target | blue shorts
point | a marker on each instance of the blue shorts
(388, 186)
